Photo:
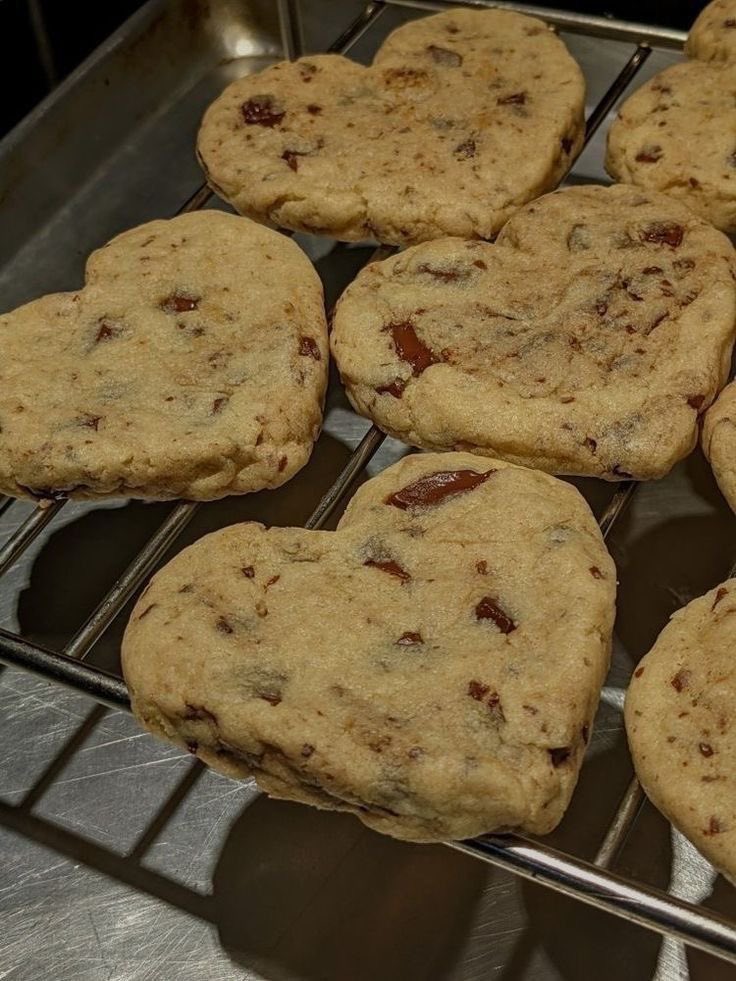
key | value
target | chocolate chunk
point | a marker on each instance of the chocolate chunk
(696, 402)
(262, 110)
(395, 388)
(389, 566)
(488, 609)
(596, 572)
(272, 697)
(313, 109)
(307, 70)
(482, 567)
(437, 487)
(477, 690)
(591, 444)
(663, 233)
(729, 22)
(309, 348)
(722, 591)
(515, 99)
(566, 144)
(178, 302)
(192, 746)
(219, 404)
(199, 713)
(651, 270)
(624, 474)
(292, 158)
(92, 422)
(443, 56)
(283, 460)
(409, 639)
(248, 571)
(410, 348)
(715, 827)
(223, 626)
(107, 331)
(649, 154)
(559, 755)
(706, 749)
(681, 680)
(465, 150)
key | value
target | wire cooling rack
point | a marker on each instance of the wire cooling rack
(589, 882)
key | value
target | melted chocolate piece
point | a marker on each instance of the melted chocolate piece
(488, 609)
(566, 144)
(681, 680)
(663, 233)
(649, 154)
(262, 110)
(308, 348)
(107, 331)
(395, 388)
(180, 303)
(477, 690)
(409, 639)
(559, 755)
(465, 150)
(436, 487)
(410, 348)
(292, 159)
(389, 566)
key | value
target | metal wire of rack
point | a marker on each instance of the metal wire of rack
(591, 883)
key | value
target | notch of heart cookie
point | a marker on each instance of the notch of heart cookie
(587, 340)
(414, 667)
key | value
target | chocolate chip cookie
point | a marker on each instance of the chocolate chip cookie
(676, 133)
(192, 364)
(680, 723)
(587, 340)
(713, 35)
(719, 441)
(462, 117)
(433, 666)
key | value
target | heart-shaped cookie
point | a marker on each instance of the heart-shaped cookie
(433, 666)
(585, 341)
(462, 117)
(192, 364)
(680, 724)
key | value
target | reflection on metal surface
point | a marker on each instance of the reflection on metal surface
(160, 869)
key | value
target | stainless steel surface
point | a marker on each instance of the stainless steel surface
(158, 869)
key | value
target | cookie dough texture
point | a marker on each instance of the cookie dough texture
(585, 341)
(713, 35)
(433, 666)
(719, 441)
(462, 117)
(192, 364)
(680, 724)
(676, 134)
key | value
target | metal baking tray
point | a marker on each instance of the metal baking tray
(122, 858)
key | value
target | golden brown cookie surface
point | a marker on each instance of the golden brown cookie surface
(587, 340)
(192, 364)
(462, 118)
(433, 666)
